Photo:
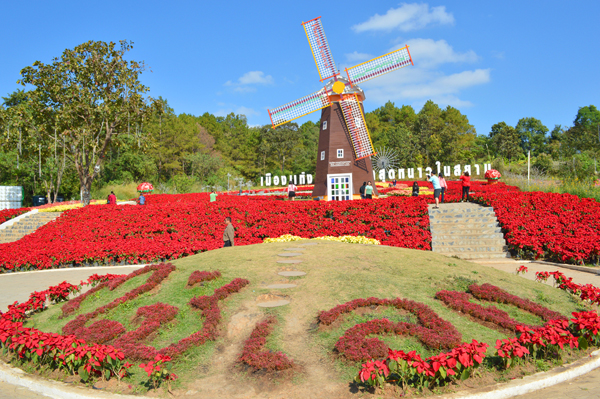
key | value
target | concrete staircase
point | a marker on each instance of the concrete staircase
(26, 225)
(466, 230)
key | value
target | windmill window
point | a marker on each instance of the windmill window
(322, 155)
(340, 153)
(324, 125)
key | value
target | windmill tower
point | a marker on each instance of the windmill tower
(345, 147)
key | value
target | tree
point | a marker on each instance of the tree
(585, 133)
(532, 134)
(33, 146)
(506, 140)
(91, 93)
(281, 140)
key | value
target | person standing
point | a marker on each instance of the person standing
(369, 191)
(141, 200)
(228, 234)
(394, 182)
(112, 199)
(437, 189)
(444, 186)
(415, 189)
(362, 190)
(291, 189)
(213, 196)
(466, 186)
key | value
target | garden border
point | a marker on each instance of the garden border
(61, 390)
(54, 389)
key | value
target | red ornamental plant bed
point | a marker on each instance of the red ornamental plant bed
(560, 227)
(153, 316)
(402, 368)
(58, 352)
(76, 356)
(460, 301)
(105, 234)
(254, 354)
(354, 345)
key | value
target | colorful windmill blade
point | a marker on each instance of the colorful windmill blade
(296, 109)
(355, 121)
(320, 48)
(379, 66)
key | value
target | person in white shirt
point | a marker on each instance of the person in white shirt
(291, 189)
(437, 189)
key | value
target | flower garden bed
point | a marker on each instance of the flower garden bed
(106, 234)
(165, 318)
(557, 227)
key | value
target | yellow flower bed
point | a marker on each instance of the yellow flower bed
(62, 208)
(283, 238)
(348, 239)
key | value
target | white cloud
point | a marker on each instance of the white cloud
(245, 83)
(255, 77)
(428, 53)
(358, 57)
(419, 85)
(245, 111)
(236, 110)
(407, 17)
(428, 79)
(498, 54)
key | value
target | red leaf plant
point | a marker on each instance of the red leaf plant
(254, 355)
(354, 345)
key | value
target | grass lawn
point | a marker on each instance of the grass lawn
(336, 273)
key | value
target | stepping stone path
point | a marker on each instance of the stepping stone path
(279, 301)
(281, 286)
(292, 273)
(272, 301)
(274, 304)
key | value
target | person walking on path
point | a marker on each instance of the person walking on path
(112, 199)
(415, 189)
(362, 190)
(369, 191)
(213, 196)
(444, 186)
(466, 186)
(228, 234)
(437, 189)
(291, 189)
(141, 200)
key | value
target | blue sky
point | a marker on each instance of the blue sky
(493, 60)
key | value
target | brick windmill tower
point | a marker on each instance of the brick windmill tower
(345, 147)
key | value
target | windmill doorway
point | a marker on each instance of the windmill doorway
(339, 187)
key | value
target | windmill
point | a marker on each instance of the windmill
(345, 147)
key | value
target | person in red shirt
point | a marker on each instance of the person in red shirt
(112, 199)
(466, 186)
